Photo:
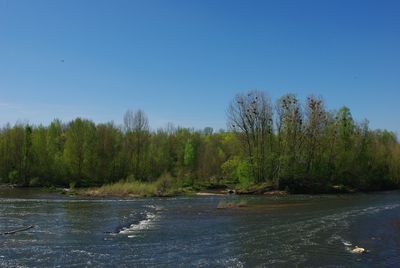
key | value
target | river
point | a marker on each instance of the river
(298, 230)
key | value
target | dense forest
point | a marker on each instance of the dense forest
(294, 145)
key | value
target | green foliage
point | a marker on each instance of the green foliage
(13, 177)
(189, 157)
(238, 171)
(229, 169)
(72, 185)
(244, 176)
(35, 182)
(297, 146)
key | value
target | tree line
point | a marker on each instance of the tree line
(289, 144)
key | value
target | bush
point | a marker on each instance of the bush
(244, 175)
(239, 171)
(130, 178)
(165, 183)
(34, 182)
(72, 184)
(13, 177)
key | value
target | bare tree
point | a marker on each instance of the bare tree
(250, 116)
(314, 127)
(289, 125)
(128, 121)
(140, 122)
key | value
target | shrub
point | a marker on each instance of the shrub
(165, 183)
(13, 176)
(72, 184)
(34, 182)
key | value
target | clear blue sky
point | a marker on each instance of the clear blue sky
(183, 61)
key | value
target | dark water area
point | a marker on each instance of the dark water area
(300, 230)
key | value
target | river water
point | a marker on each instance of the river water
(299, 230)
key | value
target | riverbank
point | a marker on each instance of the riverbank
(169, 188)
(159, 189)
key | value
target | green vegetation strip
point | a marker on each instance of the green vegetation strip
(289, 145)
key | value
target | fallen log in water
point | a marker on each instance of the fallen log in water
(18, 230)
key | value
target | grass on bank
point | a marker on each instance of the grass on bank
(167, 185)
(164, 186)
(125, 188)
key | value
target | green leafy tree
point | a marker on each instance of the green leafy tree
(189, 158)
(79, 151)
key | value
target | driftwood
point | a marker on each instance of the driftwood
(18, 230)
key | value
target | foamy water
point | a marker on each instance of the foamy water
(143, 224)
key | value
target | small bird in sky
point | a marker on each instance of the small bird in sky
(62, 61)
